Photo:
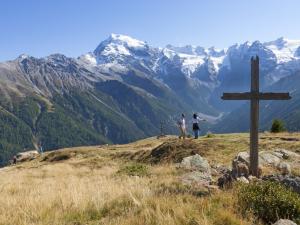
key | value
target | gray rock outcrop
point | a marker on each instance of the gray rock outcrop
(195, 162)
(200, 171)
(273, 158)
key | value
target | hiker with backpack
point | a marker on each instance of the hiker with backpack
(182, 126)
(196, 127)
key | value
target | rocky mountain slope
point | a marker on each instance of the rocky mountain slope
(125, 88)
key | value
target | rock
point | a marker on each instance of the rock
(240, 169)
(284, 222)
(243, 157)
(200, 171)
(27, 156)
(243, 180)
(286, 154)
(196, 178)
(220, 169)
(225, 180)
(252, 178)
(269, 158)
(290, 181)
(278, 154)
(273, 158)
(196, 162)
(284, 168)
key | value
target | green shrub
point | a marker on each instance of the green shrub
(269, 201)
(134, 169)
(277, 126)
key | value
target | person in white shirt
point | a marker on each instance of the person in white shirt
(196, 127)
(182, 126)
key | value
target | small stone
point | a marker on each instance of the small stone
(252, 178)
(284, 168)
(287, 154)
(284, 222)
(243, 180)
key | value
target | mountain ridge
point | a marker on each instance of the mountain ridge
(125, 89)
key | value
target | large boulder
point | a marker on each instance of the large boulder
(271, 158)
(195, 163)
(200, 171)
(284, 222)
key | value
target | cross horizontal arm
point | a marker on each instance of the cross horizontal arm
(237, 96)
(260, 96)
(274, 96)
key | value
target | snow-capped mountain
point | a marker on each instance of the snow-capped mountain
(208, 71)
(279, 58)
(124, 88)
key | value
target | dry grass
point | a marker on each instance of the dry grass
(63, 194)
(87, 189)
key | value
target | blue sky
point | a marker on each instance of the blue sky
(74, 27)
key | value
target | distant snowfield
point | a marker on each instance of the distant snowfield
(123, 50)
(284, 49)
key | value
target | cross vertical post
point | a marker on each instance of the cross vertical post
(254, 116)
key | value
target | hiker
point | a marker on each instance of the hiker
(182, 127)
(15, 159)
(196, 127)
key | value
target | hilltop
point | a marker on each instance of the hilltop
(136, 183)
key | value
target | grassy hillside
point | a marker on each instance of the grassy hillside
(108, 184)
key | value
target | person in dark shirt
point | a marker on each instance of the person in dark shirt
(196, 127)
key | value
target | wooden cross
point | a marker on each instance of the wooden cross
(161, 130)
(254, 96)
